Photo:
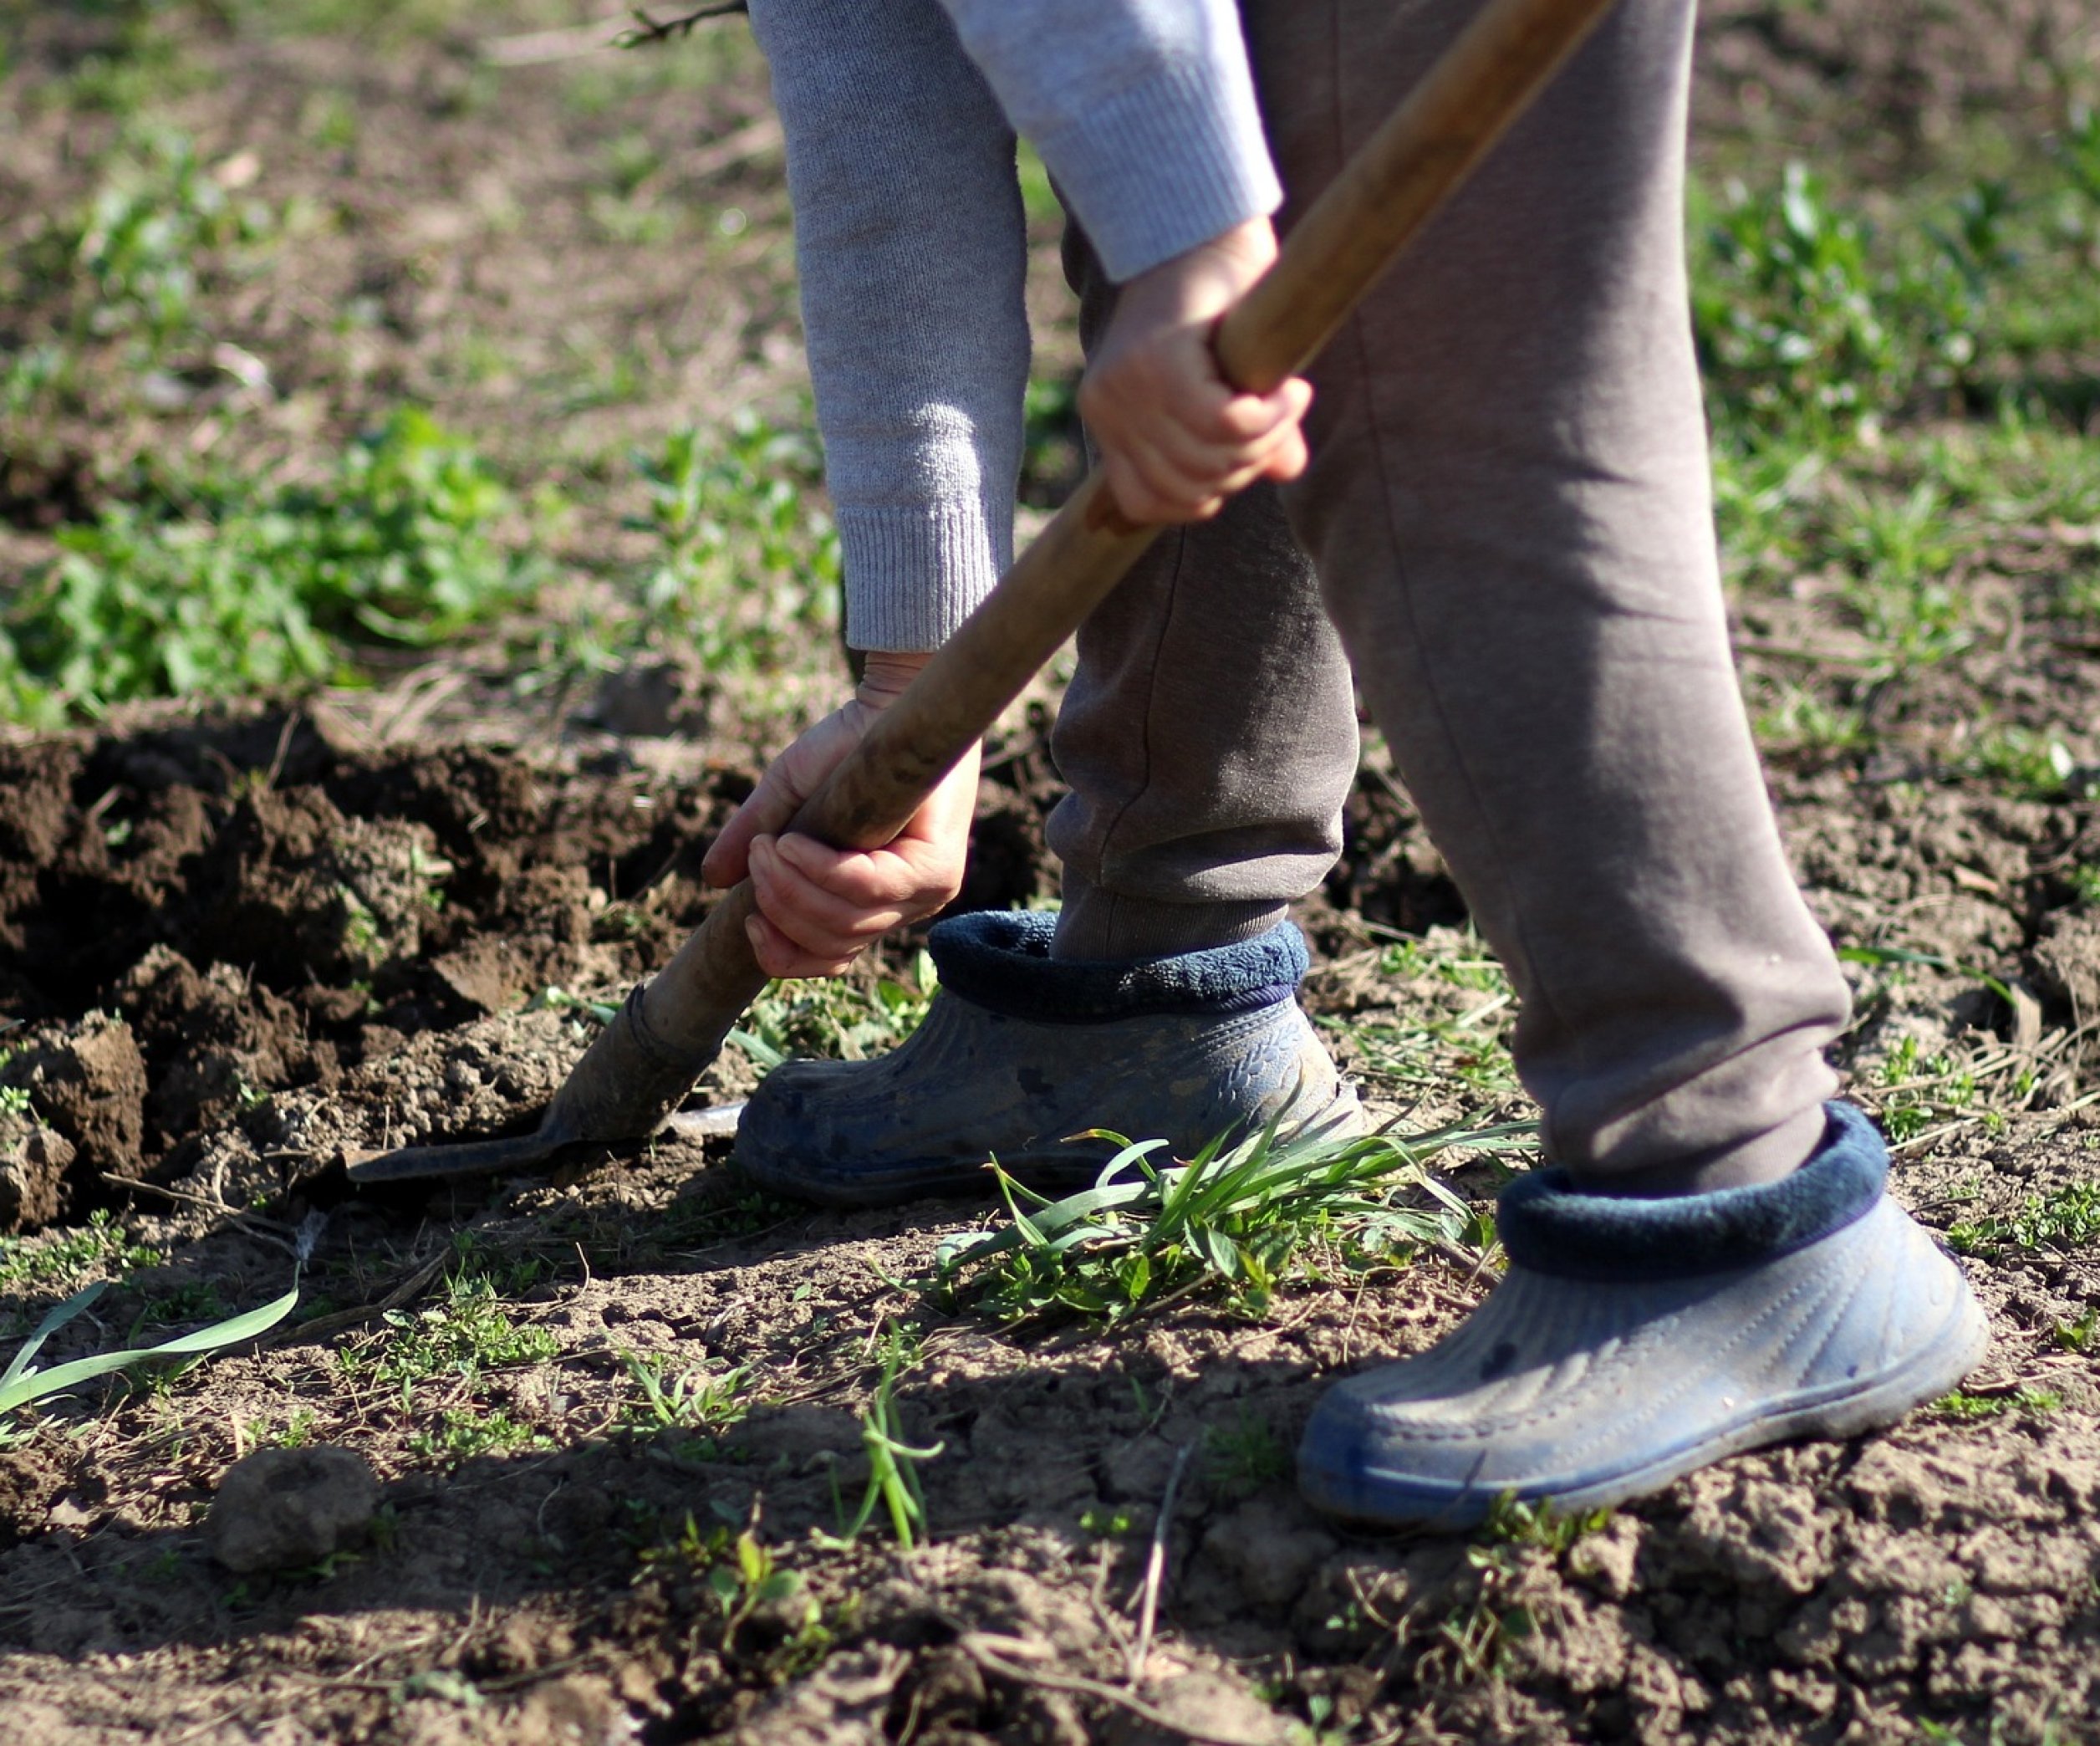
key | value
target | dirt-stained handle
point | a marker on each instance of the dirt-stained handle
(1365, 216)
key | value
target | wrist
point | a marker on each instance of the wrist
(1212, 275)
(884, 674)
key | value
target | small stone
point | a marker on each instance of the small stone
(279, 1509)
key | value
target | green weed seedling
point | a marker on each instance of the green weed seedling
(1247, 1454)
(2077, 1336)
(137, 251)
(466, 1335)
(1960, 1405)
(834, 1020)
(2028, 765)
(66, 1258)
(2066, 1217)
(893, 1464)
(1512, 1521)
(462, 1433)
(1479, 1638)
(741, 556)
(240, 586)
(1899, 551)
(1785, 309)
(689, 1400)
(1234, 1215)
(1421, 1047)
(740, 1573)
(1107, 1524)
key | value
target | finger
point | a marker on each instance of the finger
(779, 955)
(1289, 460)
(772, 804)
(816, 922)
(1187, 472)
(914, 876)
(820, 919)
(1149, 507)
(1151, 491)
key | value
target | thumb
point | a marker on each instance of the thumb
(772, 804)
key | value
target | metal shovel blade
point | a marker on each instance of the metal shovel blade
(458, 1158)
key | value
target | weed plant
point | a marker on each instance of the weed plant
(740, 1575)
(61, 1258)
(1236, 1217)
(746, 569)
(235, 587)
(21, 1384)
(468, 1333)
(689, 1399)
(892, 1463)
(837, 1019)
(2065, 1218)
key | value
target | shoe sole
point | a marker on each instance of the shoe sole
(1045, 1172)
(1374, 1499)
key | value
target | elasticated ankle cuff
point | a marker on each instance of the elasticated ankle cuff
(1548, 1225)
(1000, 960)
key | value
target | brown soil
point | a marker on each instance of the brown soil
(236, 948)
(207, 1011)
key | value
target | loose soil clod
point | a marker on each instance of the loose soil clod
(281, 1509)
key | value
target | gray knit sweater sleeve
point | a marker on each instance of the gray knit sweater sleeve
(911, 243)
(1144, 110)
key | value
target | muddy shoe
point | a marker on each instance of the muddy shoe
(1021, 1051)
(1635, 1340)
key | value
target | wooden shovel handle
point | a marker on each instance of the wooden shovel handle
(1370, 211)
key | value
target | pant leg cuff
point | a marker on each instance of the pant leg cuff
(1548, 1225)
(1097, 924)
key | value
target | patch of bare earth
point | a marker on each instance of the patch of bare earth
(287, 947)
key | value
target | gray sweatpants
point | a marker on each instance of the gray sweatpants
(1508, 522)
(1506, 526)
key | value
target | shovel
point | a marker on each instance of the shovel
(642, 1065)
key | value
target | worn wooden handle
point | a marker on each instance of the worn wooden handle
(1379, 201)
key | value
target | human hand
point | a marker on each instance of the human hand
(820, 907)
(1175, 438)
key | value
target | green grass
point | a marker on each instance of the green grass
(1241, 1219)
(1455, 1045)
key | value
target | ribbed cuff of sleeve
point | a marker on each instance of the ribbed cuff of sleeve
(1159, 166)
(914, 574)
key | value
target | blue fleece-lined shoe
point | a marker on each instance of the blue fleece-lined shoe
(1021, 1052)
(1635, 1340)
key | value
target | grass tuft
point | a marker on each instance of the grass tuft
(1235, 1217)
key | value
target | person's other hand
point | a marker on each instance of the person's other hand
(818, 907)
(1176, 439)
